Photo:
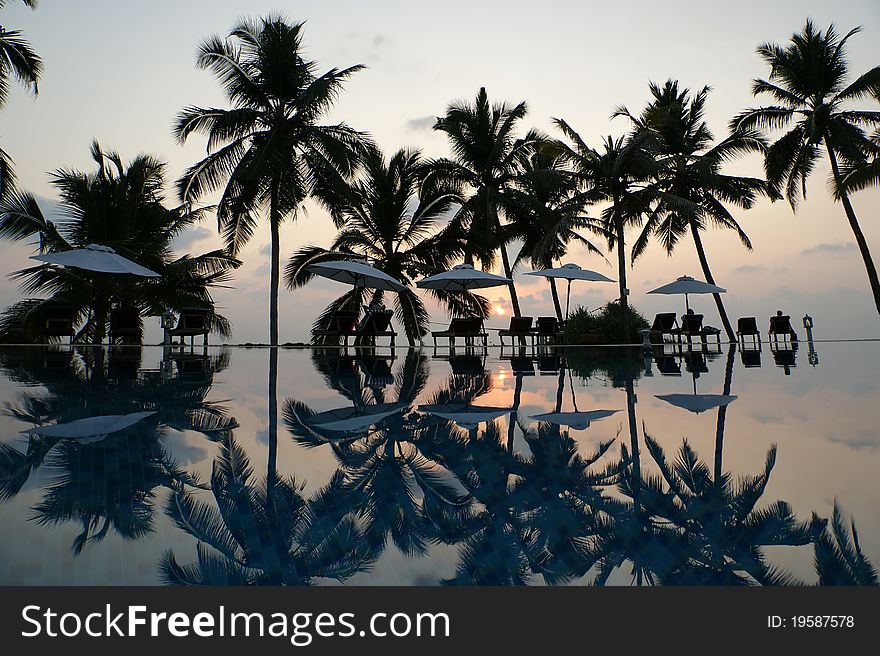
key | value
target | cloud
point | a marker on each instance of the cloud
(380, 40)
(839, 247)
(265, 249)
(750, 268)
(186, 239)
(422, 123)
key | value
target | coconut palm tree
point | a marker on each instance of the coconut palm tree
(120, 205)
(620, 175)
(487, 161)
(546, 213)
(261, 536)
(398, 487)
(17, 60)
(269, 149)
(839, 558)
(378, 221)
(691, 191)
(809, 81)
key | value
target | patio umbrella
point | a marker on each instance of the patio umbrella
(357, 273)
(464, 414)
(95, 257)
(687, 285)
(90, 429)
(570, 272)
(576, 420)
(697, 402)
(462, 278)
(353, 419)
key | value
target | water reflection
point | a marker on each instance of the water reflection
(456, 462)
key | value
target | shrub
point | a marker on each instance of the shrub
(611, 324)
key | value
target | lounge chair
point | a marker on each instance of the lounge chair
(751, 357)
(519, 327)
(124, 362)
(781, 325)
(547, 328)
(58, 322)
(692, 326)
(192, 322)
(785, 357)
(377, 370)
(668, 365)
(665, 323)
(469, 329)
(521, 365)
(125, 326)
(373, 325)
(748, 327)
(549, 365)
(695, 363)
(342, 325)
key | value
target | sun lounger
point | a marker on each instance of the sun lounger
(373, 325)
(668, 365)
(469, 329)
(664, 324)
(342, 325)
(780, 325)
(520, 327)
(751, 357)
(748, 327)
(192, 322)
(58, 322)
(692, 326)
(547, 328)
(125, 326)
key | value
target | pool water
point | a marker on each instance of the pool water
(143, 466)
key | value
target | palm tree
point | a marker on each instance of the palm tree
(378, 222)
(839, 558)
(259, 535)
(546, 213)
(691, 191)
(400, 489)
(864, 174)
(725, 530)
(809, 81)
(487, 162)
(268, 150)
(18, 60)
(619, 175)
(119, 205)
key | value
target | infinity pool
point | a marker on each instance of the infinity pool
(135, 466)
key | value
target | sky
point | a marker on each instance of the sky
(120, 71)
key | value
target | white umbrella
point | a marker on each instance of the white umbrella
(576, 420)
(687, 285)
(464, 414)
(357, 273)
(697, 402)
(462, 278)
(90, 429)
(570, 272)
(353, 419)
(95, 257)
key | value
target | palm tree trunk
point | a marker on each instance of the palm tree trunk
(621, 265)
(514, 412)
(704, 263)
(274, 227)
(634, 442)
(101, 311)
(514, 300)
(722, 414)
(856, 229)
(555, 294)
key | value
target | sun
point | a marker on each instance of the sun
(499, 310)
